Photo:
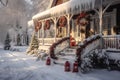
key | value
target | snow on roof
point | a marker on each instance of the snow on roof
(71, 7)
(30, 23)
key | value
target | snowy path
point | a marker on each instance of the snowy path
(19, 66)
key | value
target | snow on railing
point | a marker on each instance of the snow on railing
(111, 41)
(58, 46)
(87, 46)
(97, 41)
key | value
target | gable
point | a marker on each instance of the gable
(58, 2)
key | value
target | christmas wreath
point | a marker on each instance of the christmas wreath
(47, 25)
(82, 19)
(62, 21)
(38, 26)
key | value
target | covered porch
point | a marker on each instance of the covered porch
(57, 23)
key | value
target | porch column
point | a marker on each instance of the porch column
(43, 32)
(38, 33)
(100, 16)
(55, 25)
(68, 23)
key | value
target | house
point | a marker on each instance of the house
(76, 19)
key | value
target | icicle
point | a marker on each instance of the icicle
(72, 6)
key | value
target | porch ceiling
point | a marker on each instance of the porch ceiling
(70, 7)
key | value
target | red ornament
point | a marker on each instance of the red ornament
(75, 67)
(48, 61)
(62, 21)
(67, 66)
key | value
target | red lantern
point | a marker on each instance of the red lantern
(48, 61)
(67, 66)
(75, 67)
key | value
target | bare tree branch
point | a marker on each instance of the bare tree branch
(4, 3)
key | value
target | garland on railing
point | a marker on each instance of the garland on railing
(53, 46)
(83, 45)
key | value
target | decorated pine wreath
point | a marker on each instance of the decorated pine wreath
(38, 26)
(47, 25)
(62, 21)
(82, 19)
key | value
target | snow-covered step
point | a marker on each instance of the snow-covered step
(113, 53)
(63, 58)
(113, 50)
(62, 61)
(44, 48)
(68, 51)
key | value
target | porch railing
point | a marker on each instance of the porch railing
(111, 41)
(87, 46)
(97, 42)
(58, 46)
(47, 41)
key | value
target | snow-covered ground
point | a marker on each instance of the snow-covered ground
(19, 66)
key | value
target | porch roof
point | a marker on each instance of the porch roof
(30, 23)
(70, 7)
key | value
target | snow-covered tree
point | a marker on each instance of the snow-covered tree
(18, 40)
(7, 42)
(33, 48)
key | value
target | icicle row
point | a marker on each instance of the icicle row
(73, 7)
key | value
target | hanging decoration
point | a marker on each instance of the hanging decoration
(62, 21)
(47, 25)
(38, 26)
(82, 19)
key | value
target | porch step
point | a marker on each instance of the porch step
(113, 54)
(44, 48)
(66, 55)
(68, 51)
(61, 61)
(113, 50)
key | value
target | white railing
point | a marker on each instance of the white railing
(111, 41)
(90, 44)
(61, 46)
(47, 41)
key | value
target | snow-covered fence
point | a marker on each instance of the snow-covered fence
(111, 41)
